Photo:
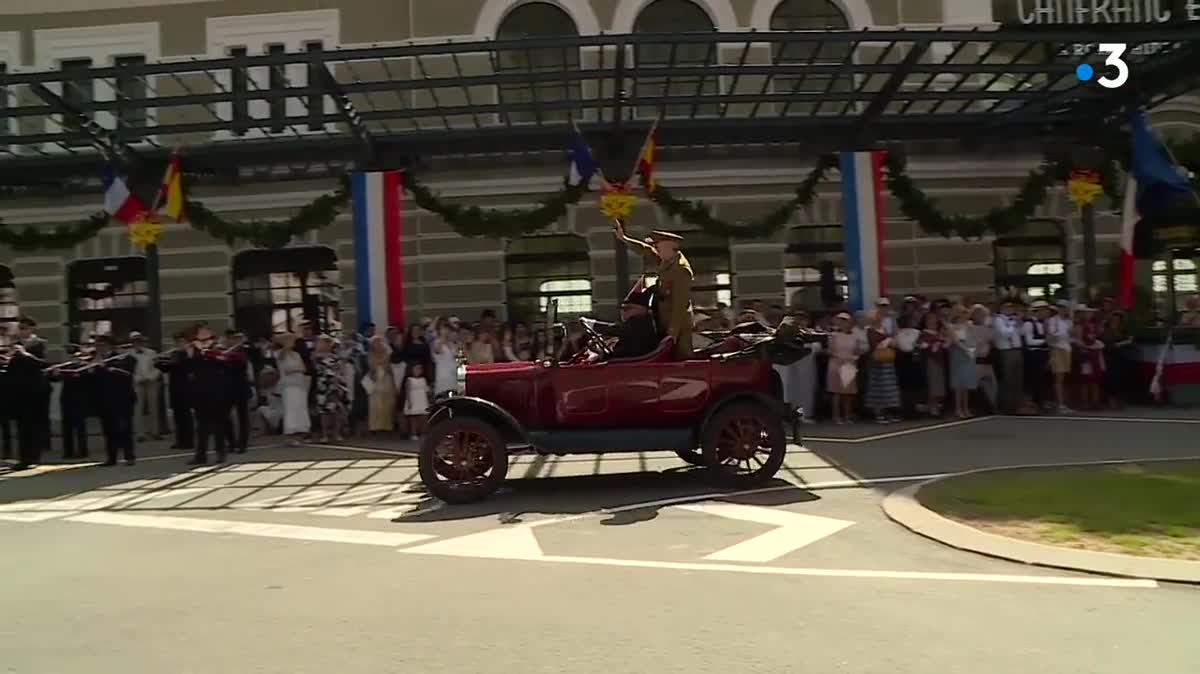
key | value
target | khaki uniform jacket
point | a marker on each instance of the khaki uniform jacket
(673, 292)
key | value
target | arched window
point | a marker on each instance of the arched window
(107, 296)
(9, 309)
(712, 268)
(675, 16)
(274, 290)
(1032, 259)
(810, 15)
(538, 19)
(542, 268)
(814, 273)
(1176, 285)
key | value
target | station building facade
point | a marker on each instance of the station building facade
(100, 285)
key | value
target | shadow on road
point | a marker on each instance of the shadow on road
(615, 493)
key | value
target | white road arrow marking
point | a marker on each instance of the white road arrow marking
(514, 542)
(358, 536)
(795, 530)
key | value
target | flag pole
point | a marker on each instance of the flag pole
(153, 287)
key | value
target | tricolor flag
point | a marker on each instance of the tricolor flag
(1154, 185)
(583, 165)
(120, 204)
(864, 229)
(378, 255)
(646, 159)
(170, 195)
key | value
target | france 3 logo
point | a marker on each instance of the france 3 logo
(1114, 60)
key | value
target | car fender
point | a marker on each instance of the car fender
(510, 429)
(764, 399)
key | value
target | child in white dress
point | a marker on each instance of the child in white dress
(416, 399)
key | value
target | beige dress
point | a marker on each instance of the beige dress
(381, 403)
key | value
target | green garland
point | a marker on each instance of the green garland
(495, 223)
(318, 213)
(64, 236)
(922, 209)
(699, 214)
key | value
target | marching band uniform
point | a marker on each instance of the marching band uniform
(7, 401)
(78, 390)
(211, 401)
(31, 396)
(115, 401)
(178, 367)
(240, 392)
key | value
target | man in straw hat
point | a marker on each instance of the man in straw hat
(673, 290)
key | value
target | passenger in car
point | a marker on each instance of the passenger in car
(636, 333)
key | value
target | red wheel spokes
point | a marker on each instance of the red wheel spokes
(466, 455)
(741, 441)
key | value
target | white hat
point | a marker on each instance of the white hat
(883, 302)
(1039, 304)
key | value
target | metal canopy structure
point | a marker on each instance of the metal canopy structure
(316, 112)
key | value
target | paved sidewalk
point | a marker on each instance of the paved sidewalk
(903, 507)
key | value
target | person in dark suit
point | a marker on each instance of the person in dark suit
(116, 399)
(177, 366)
(636, 333)
(237, 360)
(6, 400)
(31, 394)
(75, 403)
(211, 395)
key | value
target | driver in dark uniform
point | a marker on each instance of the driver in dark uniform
(636, 333)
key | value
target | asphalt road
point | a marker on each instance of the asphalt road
(324, 560)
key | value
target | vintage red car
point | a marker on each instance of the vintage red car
(721, 409)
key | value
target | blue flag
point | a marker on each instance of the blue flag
(583, 166)
(1159, 181)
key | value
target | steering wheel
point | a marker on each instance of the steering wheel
(596, 340)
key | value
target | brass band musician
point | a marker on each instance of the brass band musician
(113, 377)
(29, 395)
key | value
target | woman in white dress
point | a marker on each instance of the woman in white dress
(294, 384)
(381, 399)
(445, 361)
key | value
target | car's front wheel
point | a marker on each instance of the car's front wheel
(744, 444)
(463, 459)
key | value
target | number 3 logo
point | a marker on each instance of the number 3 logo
(1114, 50)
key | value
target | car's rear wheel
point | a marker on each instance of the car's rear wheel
(463, 459)
(744, 444)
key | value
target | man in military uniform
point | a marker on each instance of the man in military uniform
(636, 333)
(673, 291)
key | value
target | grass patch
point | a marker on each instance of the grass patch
(1151, 510)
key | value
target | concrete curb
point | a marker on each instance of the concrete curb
(903, 508)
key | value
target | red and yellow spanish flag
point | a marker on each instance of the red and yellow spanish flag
(646, 159)
(170, 196)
